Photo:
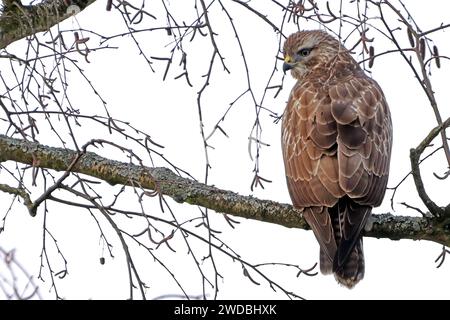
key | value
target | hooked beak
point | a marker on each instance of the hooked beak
(288, 64)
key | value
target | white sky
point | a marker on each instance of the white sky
(168, 112)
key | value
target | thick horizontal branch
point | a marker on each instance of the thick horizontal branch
(18, 21)
(184, 190)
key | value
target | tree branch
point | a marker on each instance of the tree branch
(18, 192)
(18, 21)
(415, 157)
(184, 190)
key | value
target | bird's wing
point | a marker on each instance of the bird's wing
(309, 150)
(364, 136)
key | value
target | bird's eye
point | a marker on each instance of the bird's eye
(304, 52)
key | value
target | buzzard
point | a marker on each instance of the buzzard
(336, 140)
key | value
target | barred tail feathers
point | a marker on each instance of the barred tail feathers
(349, 218)
(338, 231)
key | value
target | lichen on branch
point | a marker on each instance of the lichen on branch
(18, 21)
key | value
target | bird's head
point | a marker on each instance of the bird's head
(307, 50)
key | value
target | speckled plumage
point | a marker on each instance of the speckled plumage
(336, 138)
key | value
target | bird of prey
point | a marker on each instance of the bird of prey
(336, 140)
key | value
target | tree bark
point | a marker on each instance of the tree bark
(184, 190)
